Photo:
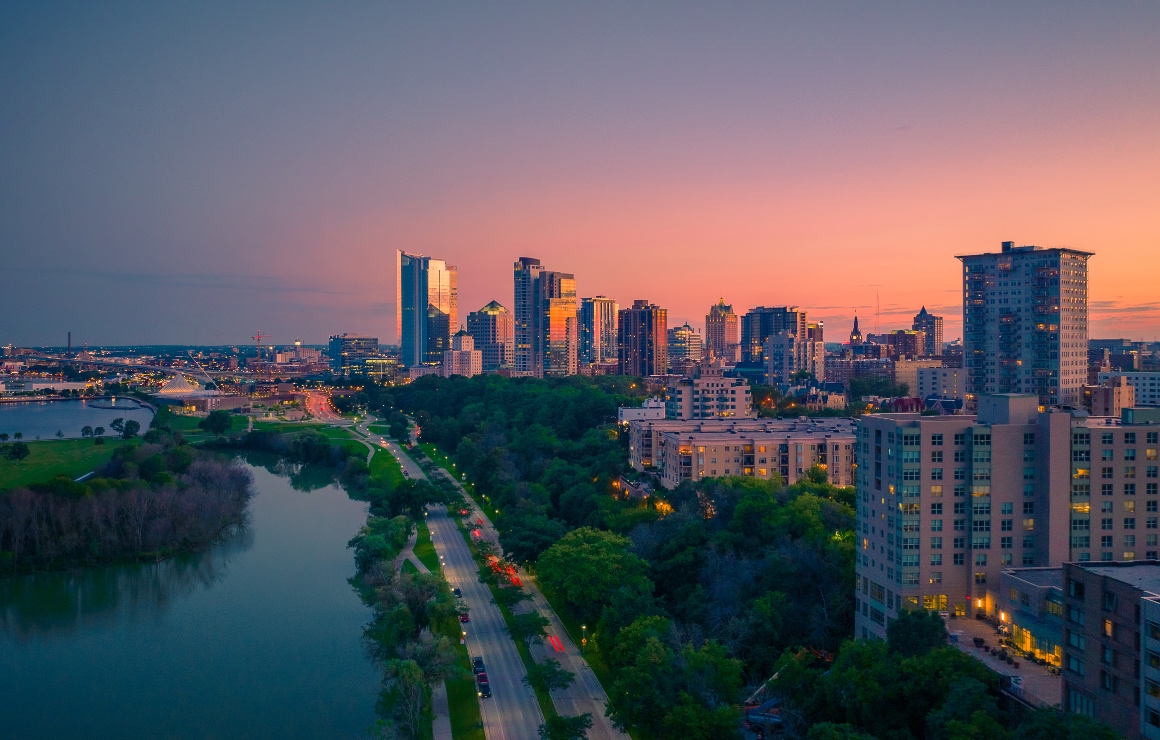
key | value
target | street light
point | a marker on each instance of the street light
(584, 639)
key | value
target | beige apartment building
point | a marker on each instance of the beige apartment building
(944, 382)
(945, 504)
(907, 370)
(709, 394)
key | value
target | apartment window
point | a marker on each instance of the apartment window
(1006, 525)
(960, 455)
(1029, 455)
(936, 473)
(960, 439)
(936, 558)
(1107, 523)
(1075, 589)
(936, 525)
(1028, 525)
(1129, 522)
(1107, 489)
(1153, 438)
(1106, 542)
(1129, 489)
(1005, 543)
(1107, 438)
(959, 558)
(1028, 541)
(1029, 438)
(1075, 639)
(936, 543)
(1008, 508)
(1028, 559)
(1109, 628)
(936, 440)
(1107, 455)
(1028, 507)
(1107, 473)
(980, 578)
(981, 559)
(1110, 601)
(1151, 490)
(1129, 438)
(1130, 471)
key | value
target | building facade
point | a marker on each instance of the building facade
(1110, 399)
(763, 322)
(944, 382)
(1025, 323)
(684, 345)
(462, 358)
(707, 393)
(723, 332)
(931, 327)
(1145, 385)
(493, 329)
(422, 283)
(599, 320)
(526, 273)
(643, 340)
(349, 353)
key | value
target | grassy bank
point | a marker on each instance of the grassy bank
(384, 465)
(424, 550)
(50, 458)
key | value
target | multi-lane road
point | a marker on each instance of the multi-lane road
(512, 712)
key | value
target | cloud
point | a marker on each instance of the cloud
(1120, 307)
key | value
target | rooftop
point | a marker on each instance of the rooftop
(1039, 577)
(1142, 575)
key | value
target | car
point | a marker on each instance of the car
(456, 591)
(477, 665)
(464, 617)
(483, 686)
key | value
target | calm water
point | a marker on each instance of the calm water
(45, 418)
(260, 637)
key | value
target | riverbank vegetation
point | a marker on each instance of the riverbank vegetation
(695, 598)
(147, 501)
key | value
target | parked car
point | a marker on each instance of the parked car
(477, 665)
(463, 617)
(456, 591)
(483, 686)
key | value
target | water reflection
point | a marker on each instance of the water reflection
(302, 477)
(61, 603)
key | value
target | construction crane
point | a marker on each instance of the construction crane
(258, 342)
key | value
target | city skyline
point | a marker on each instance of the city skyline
(835, 159)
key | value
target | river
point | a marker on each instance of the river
(43, 419)
(259, 637)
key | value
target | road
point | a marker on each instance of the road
(512, 712)
(318, 404)
(585, 695)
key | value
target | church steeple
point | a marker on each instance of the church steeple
(856, 335)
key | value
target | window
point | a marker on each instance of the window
(1028, 507)
(959, 558)
(1110, 601)
(1005, 543)
(936, 525)
(936, 473)
(1109, 628)
(1075, 589)
(960, 439)
(1107, 523)
(1028, 525)
(1028, 541)
(1107, 473)
(936, 558)
(960, 507)
(1075, 639)
(1075, 665)
(960, 455)
(936, 440)
(1006, 525)
(1107, 438)
(1106, 541)
(980, 578)
(1029, 438)
(936, 543)
(911, 440)
(1028, 456)
(981, 559)
(1129, 438)
(1129, 522)
(1107, 489)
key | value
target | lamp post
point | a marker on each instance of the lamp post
(584, 638)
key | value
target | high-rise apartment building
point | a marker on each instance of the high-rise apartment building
(493, 330)
(945, 503)
(556, 341)
(723, 332)
(763, 322)
(815, 350)
(644, 340)
(707, 393)
(423, 283)
(684, 345)
(527, 272)
(462, 358)
(598, 330)
(1025, 322)
(931, 327)
(547, 331)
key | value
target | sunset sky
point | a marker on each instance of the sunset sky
(194, 172)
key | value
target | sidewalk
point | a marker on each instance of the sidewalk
(1039, 684)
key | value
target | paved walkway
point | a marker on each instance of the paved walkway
(408, 553)
(441, 725)
(1039, 684)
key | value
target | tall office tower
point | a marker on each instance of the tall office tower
(527, 272)
(1025, 323)
(598, 322)
(422, 282)
(932, 328)
(644, 340)
(723, 332)
(684, 344)
(462, 358)
(438, 332)
(556, 331)
(349, 353)
(493, 329)
(762, 322)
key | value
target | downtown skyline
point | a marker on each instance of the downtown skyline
(832, 159)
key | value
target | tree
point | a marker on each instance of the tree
(117, 425)
(832, 731)
(566, 728)
(406, 689)
(18, 435)
(99, 432)
(18, 451)
(1049, 724)
(587, 565)
(549, 675)
(218, 422)
(529, 626)
(916, 632)
(59, 434)
(130, 429)
(86, 431)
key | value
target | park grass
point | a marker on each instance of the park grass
(425, 550)
(379, 429)
(408, 568)
(286, 427)
(50, 458)
(384, 465)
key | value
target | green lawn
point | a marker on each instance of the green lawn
(384, 464)
(379, 429)
(50, 458)
(462, 697)
(408, 568)
(424, 550)
(285, 427)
